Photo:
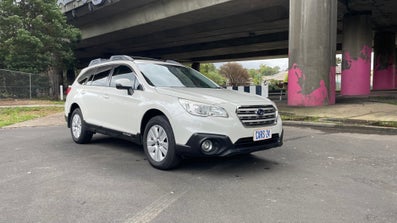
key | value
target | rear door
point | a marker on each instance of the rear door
(95, 96)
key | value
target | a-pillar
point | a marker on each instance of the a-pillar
(356, 58)
(196, 66)
(312, 50)
(384, 61)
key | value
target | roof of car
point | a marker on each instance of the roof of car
(129, 58)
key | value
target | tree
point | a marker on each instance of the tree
(210, 71)
(235, 73)
(268, 71)
(256, 76)
(35, 38)
(264, 70)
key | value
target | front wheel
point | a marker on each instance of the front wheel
(78, 129)
(159, 144)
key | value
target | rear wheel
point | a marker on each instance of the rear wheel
(159, 144)
(78, 129)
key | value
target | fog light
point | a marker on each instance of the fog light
(206, 146)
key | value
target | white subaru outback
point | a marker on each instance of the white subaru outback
(172, 110)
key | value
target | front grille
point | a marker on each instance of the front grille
(257, 115)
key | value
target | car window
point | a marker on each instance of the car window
(101, 77)
(166, 75)
(124, 72)
(85, 77)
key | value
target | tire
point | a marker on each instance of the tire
(159, 144)
(78, 128)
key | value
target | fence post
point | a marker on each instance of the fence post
(265, 89)
(61, 92)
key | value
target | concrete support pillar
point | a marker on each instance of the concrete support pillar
(395, 69)
(356, 58)
(312, 50)
(196, 66)
(384, 61)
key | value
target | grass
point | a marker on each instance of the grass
(9, 116)
(293, 117)
(387, 100)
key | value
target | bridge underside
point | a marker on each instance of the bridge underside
(207, 30)
(225, 31)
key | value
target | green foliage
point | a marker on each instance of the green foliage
(275, 85)
(268, 71)
(34, 36)
(286, 77)
(264, 70)
(210, 71)
(19, 84)
(256, 76)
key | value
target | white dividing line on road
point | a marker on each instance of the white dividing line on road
(155, 208)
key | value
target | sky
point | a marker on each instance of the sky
(254, 64)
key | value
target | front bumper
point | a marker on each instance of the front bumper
(223, 146)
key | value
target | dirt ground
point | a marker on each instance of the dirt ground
(11, 102)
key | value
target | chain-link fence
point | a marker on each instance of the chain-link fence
(15, 84)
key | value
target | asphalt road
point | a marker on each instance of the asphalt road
(316, 176)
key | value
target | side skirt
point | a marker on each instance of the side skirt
(117, 134)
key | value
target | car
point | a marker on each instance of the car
(173, 111)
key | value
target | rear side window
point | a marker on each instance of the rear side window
(83, 79)
(101, 77)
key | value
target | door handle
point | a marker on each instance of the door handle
(105, 96)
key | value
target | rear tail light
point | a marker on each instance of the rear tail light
(68, 90)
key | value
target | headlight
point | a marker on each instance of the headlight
(200, 109)
(277, 114)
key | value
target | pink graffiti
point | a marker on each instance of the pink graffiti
(296, 79)
(385, 78)
(356, 75)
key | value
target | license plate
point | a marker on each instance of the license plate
(262, 134)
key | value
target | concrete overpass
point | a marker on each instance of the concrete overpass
(187, 31)
(221, 30)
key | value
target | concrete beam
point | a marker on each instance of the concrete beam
(154, 11)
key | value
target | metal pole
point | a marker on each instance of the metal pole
(30, 86)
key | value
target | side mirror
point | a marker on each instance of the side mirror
(124, 84)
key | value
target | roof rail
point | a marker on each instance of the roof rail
(97, 61)
(173, 61)
(126, 57)
(120, 57)
(145, 58)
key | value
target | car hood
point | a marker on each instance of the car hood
(214, 96)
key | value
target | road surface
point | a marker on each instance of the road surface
(317, 176)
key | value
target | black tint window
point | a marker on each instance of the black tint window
(101, 77)
(123, 72)
(86, 76)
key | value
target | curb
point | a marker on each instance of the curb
(341, 127)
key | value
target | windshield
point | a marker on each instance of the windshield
(166, 75)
